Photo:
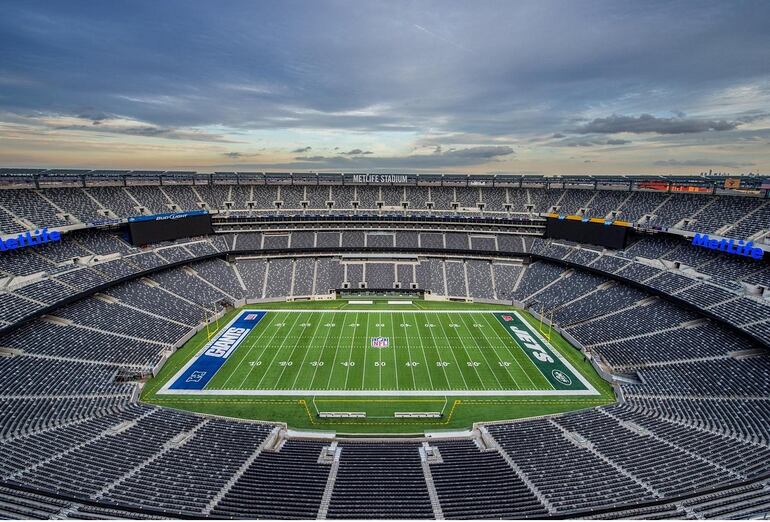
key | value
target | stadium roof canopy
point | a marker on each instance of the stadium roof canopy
(747, 181)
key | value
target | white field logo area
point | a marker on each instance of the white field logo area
(228, 342)
(380, 342)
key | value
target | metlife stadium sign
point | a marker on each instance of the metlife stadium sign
(381, 179)
(29, 239)
(728, 246)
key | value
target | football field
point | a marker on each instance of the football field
(335, 352)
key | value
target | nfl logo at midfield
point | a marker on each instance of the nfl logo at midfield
(380, 342)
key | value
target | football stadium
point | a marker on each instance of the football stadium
(384, 260)
(269, 345)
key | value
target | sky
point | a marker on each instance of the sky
(481, 86)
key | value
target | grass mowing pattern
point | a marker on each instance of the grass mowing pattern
(304, 339)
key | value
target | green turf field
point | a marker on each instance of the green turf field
(303, 359)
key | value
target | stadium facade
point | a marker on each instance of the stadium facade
(681, 331)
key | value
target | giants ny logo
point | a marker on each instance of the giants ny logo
(195, 376)
(380, 342)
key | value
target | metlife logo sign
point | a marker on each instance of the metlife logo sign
(29, 239)
(728, 246)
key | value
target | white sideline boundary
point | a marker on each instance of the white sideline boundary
(375, 311)
(590, 391)
(383, 393)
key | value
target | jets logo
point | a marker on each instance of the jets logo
(507, 318)
(561, 377)
(380, 342)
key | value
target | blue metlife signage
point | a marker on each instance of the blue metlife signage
(29, 239)
(729, 246)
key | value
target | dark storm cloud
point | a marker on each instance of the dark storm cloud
(647, 123)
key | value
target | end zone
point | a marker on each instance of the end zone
(199, 370)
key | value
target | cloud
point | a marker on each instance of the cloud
(438, 159)
(701, 163)
(239, 155)
(357, 152)
(568, 142)
(311, 158)
(148, 131)
(191, 70)
(96, 117)
(647, 123)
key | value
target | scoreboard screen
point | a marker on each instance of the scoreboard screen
(610, 236)
(144, 230)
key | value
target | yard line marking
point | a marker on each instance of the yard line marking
(408, 350)
(507, 345)
(491, 369)
(366, 336)
(350, 353)
(379, 350)
(449, 345)
(299, 338)
(425, 356)
(264, 349)
(252, 345)
(451, 351)
(279, 350)
(395, 346)
(334, 361)
(320, 355)
(302, 364)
